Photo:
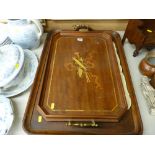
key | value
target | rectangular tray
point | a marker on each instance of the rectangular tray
(33, 122)
(82, 80)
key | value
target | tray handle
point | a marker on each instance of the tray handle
(82, 28)
(82, 124)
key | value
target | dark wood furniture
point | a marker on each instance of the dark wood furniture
(34, 123)
(140, 32)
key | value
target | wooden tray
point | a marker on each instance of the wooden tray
(34, 123)
(82, 80)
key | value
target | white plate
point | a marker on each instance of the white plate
(31, 64)
(6, 115)
(11, 62)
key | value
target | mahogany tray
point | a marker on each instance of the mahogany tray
(82, 80)
(38, 119)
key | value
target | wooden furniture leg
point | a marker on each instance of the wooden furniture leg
(136, 52)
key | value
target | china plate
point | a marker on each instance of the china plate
(15, 58)
(6, 115)
(31, 64)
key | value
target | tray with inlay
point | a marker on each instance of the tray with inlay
(82, 79)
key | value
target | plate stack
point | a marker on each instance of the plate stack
(11, 65)
(17, 69)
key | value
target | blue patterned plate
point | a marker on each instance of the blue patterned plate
(30, 68)
(11, 62)
(6, 115)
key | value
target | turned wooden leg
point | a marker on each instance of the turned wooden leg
(123, 40)
(136, 52)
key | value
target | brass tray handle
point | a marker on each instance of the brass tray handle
(82, 124)
(82, 28)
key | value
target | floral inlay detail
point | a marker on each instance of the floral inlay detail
(83, 67)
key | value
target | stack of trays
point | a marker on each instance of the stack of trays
(83, 86)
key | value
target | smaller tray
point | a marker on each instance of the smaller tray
(96, 93)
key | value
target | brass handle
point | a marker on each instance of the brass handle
(82, 124)
(82, 28)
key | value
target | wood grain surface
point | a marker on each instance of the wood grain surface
(82, 80)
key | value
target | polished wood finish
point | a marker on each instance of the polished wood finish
(82, 81)
(146, 68)
(147, 64)
(140, 32)
(129, 124)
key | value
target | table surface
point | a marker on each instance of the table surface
(20, 101)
